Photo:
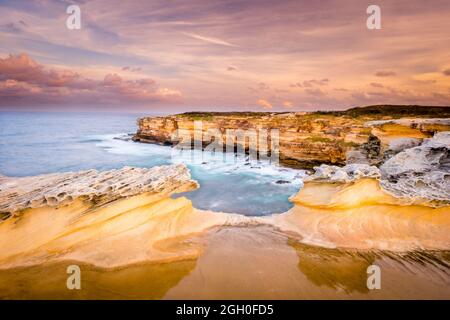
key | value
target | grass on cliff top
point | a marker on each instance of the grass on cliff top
(374, 112)
(199, 115)
(394, 111)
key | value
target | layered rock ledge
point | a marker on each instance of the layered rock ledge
(359, 135)
(108, 219)
(57, 189)
(421, 173)
(403, 206)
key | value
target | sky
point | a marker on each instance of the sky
(222, 55)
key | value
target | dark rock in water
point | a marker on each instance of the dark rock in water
(282, 182)
(125, 137)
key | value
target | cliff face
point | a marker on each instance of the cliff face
(305, 139)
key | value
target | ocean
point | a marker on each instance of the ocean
(33, 143)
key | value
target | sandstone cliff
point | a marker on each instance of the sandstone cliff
(308, 139)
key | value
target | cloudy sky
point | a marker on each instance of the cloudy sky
(178, 55)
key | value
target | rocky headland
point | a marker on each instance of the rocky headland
(358, 135)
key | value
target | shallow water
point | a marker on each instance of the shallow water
(45, 142)
(245, 263)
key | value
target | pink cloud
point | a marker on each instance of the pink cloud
(315, 92)
(263, 86)
(288, 104)
(385, 73)
(126, 68)
(311, 83)
(23, 68)
(397, 96)
(264, 104)
(24, 81)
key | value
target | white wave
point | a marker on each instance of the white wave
(113, 143)
(214, 163)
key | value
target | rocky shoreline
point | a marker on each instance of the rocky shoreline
(360, 135)
(395, 196)
(120, 217)
(108, 219)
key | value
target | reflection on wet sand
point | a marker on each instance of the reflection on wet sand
(333, 268)
(139, 281)
(347, 269)
(146, 281)
(262, 263)
(249, 262)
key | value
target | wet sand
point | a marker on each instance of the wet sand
(251, 262)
